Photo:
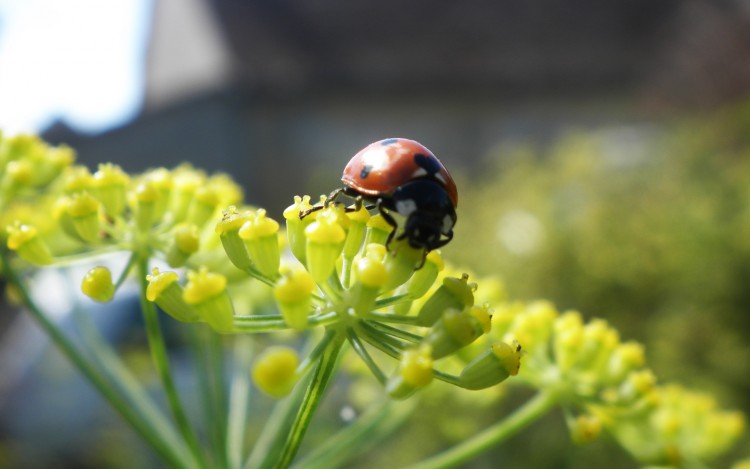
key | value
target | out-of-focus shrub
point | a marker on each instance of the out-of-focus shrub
(648, 227)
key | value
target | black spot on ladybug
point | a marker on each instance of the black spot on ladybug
(389, 141)
(430, 165)
(365, 171)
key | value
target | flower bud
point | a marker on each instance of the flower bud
(370, 275)
(356, 232)
(25, 240)
(295, 227)
(534, 327)
(161, 180)
(483, 314)
(455, 330)
(52, 162)
(228, 229)
(585, 428)
(83, 210)
(454, 293)
(185, 182)
(378, 230)
(325, 240)
(423, 279)
(110, 184)
(203, 205)
(625, 358)
(185, 242)
(401, 261)
(599, 340)
(261, 236)
(568, 334)
(275, 371)
(206, 292)
(97, 284)
(164, 290)
(17, 174)
(78, 179)
(146, 199)
(637, 384)
(492, 366)
(293, 293)
(414, 372)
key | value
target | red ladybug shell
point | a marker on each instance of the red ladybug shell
(381, 167)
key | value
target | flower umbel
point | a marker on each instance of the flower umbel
(326, 280)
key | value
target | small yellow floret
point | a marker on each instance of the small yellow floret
(300, 205)
(259, 226)
(275, 371)
(78, 178)
(325, 230)
(97, 284)
(203, 285)
(294, 285)
(359, 216)
(20, 171)
(416, 367)
(509, 356)
(378, 222)
(483, 314)
(82, 205)
(110, 174)
(436, 258)
(158, 282)
(232, 219)
(187, 238)
(370, 272)
(585, 428)
(20, 234)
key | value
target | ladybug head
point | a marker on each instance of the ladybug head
(429, 212)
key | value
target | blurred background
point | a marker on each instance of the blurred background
(602, 149)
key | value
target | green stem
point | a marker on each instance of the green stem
(447, 377)
(219, 406)
(239, 395)
(268, 446)
(125, 271)
(381, 336)
(378, 344)
(115, 370)
(270, 281)
(354, 439)
(161, 363)
(359, 347)
(393, 300)
(199, 341)
(275, 322)
(531, 411)
(318, 384)
(394, 318)
(395, 332)
(171, 452)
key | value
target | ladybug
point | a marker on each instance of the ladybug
(402, 176)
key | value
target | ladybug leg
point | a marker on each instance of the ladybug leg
(441, 243)
(359, 201)
(310, 210)
(329, 200)
(388, 219)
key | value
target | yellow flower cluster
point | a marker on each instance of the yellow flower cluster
(605, 382)
(159, 212)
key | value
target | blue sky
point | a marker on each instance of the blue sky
(77, 60)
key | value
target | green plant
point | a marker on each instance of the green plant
(324, 286)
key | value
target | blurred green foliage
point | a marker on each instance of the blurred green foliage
(646, 226)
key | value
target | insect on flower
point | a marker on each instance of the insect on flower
(398, 175)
